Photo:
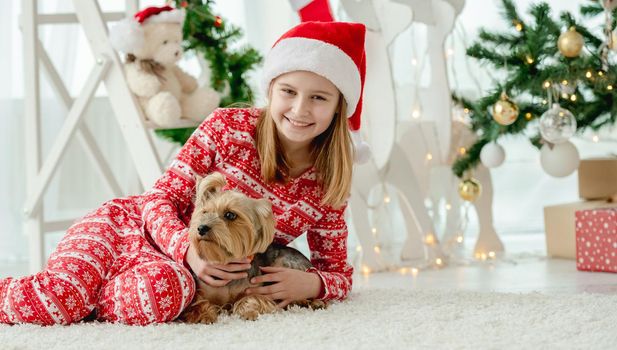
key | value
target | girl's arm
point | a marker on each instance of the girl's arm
(172, 194)
(328, 243)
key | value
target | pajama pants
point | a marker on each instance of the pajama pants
(105, 264)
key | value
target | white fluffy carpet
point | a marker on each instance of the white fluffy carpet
(369, 319)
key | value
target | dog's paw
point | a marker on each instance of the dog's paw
(250, 307)
(200, 312)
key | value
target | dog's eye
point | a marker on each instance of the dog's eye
(165, 42)
(230, 215)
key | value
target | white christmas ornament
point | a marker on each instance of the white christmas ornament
(557, 124)
(561, 160)
(492, 155)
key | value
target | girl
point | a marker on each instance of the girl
(129, 260)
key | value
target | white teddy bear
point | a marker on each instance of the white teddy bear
(152, 44)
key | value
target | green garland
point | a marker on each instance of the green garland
(209, 35)
(530, 58)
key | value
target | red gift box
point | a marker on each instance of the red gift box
(596, 240)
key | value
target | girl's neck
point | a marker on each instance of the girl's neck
(298, 156)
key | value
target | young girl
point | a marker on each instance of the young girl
(129, 260)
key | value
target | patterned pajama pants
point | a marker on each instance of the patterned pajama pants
(103, 263)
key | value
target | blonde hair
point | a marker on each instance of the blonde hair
(331, 154)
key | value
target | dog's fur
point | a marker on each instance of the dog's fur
(228, 225)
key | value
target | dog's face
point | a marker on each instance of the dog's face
(229, 225)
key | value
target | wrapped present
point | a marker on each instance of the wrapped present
(597, 178)
(596, 240)
(559, 227)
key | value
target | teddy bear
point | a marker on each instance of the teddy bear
(151, 42)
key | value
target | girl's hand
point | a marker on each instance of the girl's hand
(290, 285)
(216, 275)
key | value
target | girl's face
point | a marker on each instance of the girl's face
(302, 105)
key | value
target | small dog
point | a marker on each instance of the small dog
(228, 225)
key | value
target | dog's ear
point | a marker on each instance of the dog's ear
(208, 186)
(263, 210)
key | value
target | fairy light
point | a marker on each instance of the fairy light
(403, 270)
(600, 73)
(429, 239)
(588, 74)
(529, 59)
(414, 271)
(416, 113)
(609, 88)
(438, 261)
(595, 138)
(377, 249)
(462, 151)
(491, 255)
(386, 199)
(374, 231)
(449, 52)
(359, 249)
(414, 62)
(544, 102)
(459, 239)
(573, 98)
(366, 270)
(547, 84)
(518, 26)
(429, 156)
(466, 110)
(564, 82)
(448, 206)
(528, 116)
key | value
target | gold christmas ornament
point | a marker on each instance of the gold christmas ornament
(469, 189)
(570, 43)
(505, 111)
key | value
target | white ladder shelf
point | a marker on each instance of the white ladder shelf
(107, 70)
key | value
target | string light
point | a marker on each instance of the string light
(359, 248)
(466, 110)
(491, 255)
(377, 249)
(595, 138)
(600, 73)
(366, 270)
(438, 261)
(429, 239)
(529, 59)
(544, 102)
(416, 113)
(528, 116)
(459, 239)
(448, 206)
(386, 199)
(573, 98)
(414, 62)
(609, 88)
(547, 84)
(462, 151)
(564, 82)
(374, 231)
(429, 156)
(414, 271)
(588, 74)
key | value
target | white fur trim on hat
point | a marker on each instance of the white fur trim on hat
(127, 35)
(327, 60)
(174, 16)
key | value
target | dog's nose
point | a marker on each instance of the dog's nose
(203, 230)
(176, 53)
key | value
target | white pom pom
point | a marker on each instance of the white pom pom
(362, 153)
(127, 36)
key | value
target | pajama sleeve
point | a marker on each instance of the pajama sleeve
(173, 193)
(328, 244)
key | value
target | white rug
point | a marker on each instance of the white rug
(370, 319)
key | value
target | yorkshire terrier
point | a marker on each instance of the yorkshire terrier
(228, 225)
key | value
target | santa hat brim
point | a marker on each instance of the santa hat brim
(174, 16)
(327, 60)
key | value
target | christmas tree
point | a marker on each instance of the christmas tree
(209, 35)
(546, 63)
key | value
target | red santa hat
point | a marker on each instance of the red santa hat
(127, 35)
(334, 50)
